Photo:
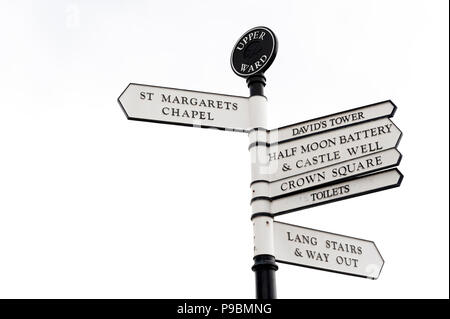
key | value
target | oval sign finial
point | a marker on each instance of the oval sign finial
(254, 52)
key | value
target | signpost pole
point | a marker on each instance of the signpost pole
(358, 141)
(264, 255)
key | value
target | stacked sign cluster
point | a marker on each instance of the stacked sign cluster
(323, 160)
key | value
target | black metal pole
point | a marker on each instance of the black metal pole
(265, 283)
(264, 265)
(256, 84)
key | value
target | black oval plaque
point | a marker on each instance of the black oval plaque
(254, 52)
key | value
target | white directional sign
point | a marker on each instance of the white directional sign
(182, 107)
(335, 192)
(329, 122)
(326, 251)
(328, 175)
(320, 150)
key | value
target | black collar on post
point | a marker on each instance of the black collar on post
(256, 84)
(265, 284)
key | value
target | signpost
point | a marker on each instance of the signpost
(258, 52)
(299, 166)
(317, 249)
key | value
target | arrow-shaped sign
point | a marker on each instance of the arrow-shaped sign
(326, 251)
(182, 107)
(326, 123)
(327, 175)
(356, 187)
(317, 151)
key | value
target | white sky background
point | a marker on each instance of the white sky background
(93, 205)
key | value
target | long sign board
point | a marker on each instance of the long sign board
(328, 175)
(321, 150)
(355, 187)
(327, 123)
(182, 107)
(326, 251)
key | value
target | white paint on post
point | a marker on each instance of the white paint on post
(262, 225)
(183, 107)
(257, 107)
(326, 251)
(263, 232)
